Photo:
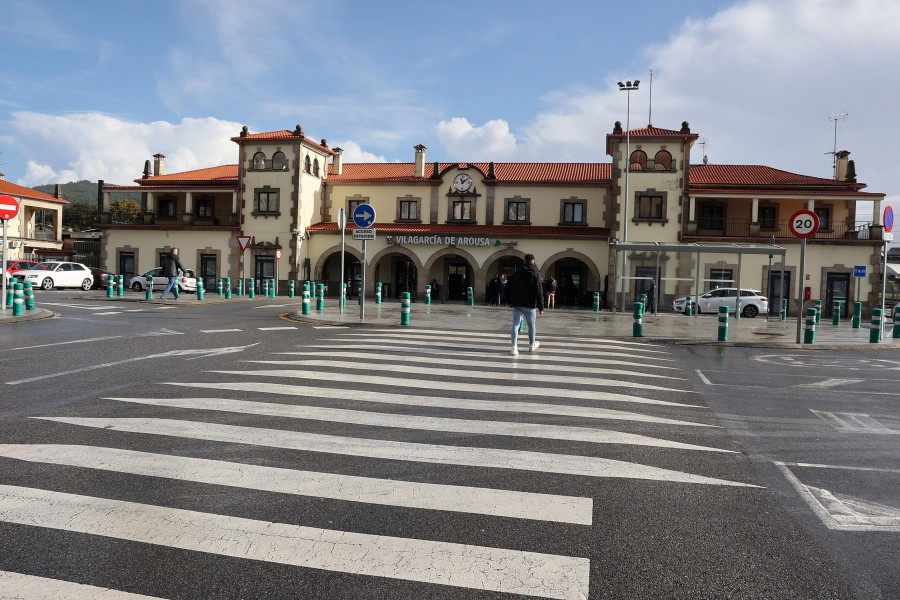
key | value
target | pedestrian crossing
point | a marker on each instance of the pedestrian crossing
(419, 426)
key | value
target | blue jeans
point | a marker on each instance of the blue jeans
(171, 286)
(530, 315)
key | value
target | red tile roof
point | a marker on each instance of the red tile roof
(486, 230)
(11, 189)
(574, 173)
(223, 177)
(282, 135)
(758, 178)
(648, 132)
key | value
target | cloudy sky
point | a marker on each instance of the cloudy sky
(92, 90)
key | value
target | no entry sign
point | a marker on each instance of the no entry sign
(9, 208)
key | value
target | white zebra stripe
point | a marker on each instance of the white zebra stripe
(455, 360)
(496, 389)
(442, 563)
(503, 334)
(540, 358)
(18, 586)
(522, 460)
(374, 419)
(433, 401)
(388, 492)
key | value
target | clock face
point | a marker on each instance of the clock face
(462, 182)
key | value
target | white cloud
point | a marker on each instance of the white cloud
(491, 141)
(61, 148)
(353, 153)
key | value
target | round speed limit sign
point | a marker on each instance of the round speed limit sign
(804, 223)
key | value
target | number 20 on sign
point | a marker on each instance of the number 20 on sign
(804, 223)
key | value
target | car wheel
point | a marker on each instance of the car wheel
(750, 311)
(47, 284)
(136, 286)
(86, 284)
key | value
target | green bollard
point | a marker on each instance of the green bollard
(240, 287)
(148, 292)
(344, 295)
(378, 292)
(18, 300)
(200, 290)
(856, 321)
(836, 313)
(784, 309)
(359, 293)
(29, 296)
(120, 287)
(875, 331)
(637, 330)
(111, 285)
(305, 299)
(291, 289)
(10, 293)
(470, 294)
(896, 332)
(644, 299)
(265, 287)
(428, 294)
(596, 301)
(522, 324)
(723, 323)
(251, 287)
(320, 297)
(809, 337)
(689, 308)
(219, 286)
(273, 288)
(404, 308)
(227, 285)
(818, 304)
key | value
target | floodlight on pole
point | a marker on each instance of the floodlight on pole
(626, 87)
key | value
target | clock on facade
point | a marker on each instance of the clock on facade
(462, 182)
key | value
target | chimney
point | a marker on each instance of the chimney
(58, 192)
(159, 165)
(420, 160)
(840, 165)
(337, 163)
(2, 176)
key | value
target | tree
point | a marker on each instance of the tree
(125, 211)
(79, 216)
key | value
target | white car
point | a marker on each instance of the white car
(186, 283)
(752, 302)
(48, 275)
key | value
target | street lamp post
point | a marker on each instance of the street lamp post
(626, 87)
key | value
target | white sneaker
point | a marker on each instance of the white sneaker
(515, 351)
(535, 346)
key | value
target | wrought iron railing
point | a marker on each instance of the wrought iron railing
(744, 228)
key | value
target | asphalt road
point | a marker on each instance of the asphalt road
(220, 451)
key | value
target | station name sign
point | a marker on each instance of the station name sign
(446, 240)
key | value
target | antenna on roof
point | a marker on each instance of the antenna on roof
(836, 118)
(650, 116)
(703, 142)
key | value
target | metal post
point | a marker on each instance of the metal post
(800, 288)
(342, 225)
(3, 252)
(737, 301)
(697, 285)
(883, 288)
(362, 285)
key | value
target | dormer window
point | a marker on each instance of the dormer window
(259, 161)
(638, 160)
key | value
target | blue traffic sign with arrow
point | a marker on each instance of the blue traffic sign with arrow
(364, 215)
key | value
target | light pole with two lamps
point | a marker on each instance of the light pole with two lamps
(626, 87)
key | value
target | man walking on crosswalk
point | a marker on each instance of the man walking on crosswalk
(525, 295)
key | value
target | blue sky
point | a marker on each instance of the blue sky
(90, 90)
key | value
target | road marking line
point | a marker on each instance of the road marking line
(504, 334)
(852, 422)
(375, 419)
(523, 390)
(519, 460)
(541, 357)
(442, 563)
(217, 330)
(276, 305)
(703, 377)
(483, 362)
(274, 328)
(497, 340)
(828, 383)
(365, 395)
(114, 312)
(389, 492)
(29, 587)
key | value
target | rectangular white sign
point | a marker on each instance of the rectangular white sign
(363, 234)
(887, 236)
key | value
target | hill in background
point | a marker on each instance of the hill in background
(83, 192)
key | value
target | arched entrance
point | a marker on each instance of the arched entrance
(577, 278)
(329, 273)
(501, 265)
(397, 269)
(454, 271)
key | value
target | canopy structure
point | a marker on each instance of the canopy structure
(698, 249)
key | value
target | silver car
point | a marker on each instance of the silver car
(186, 283)
(752, 302)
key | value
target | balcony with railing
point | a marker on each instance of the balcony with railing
(746, 230)
(179, 219)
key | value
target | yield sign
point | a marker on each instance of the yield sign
(9, 208)
(244, 241)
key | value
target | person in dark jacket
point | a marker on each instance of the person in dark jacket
(525, 295)
(172, 268)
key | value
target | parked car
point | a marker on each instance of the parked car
(752, 302)
(19, 265)
(48, 275)
(186, 283)
(101, 278)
